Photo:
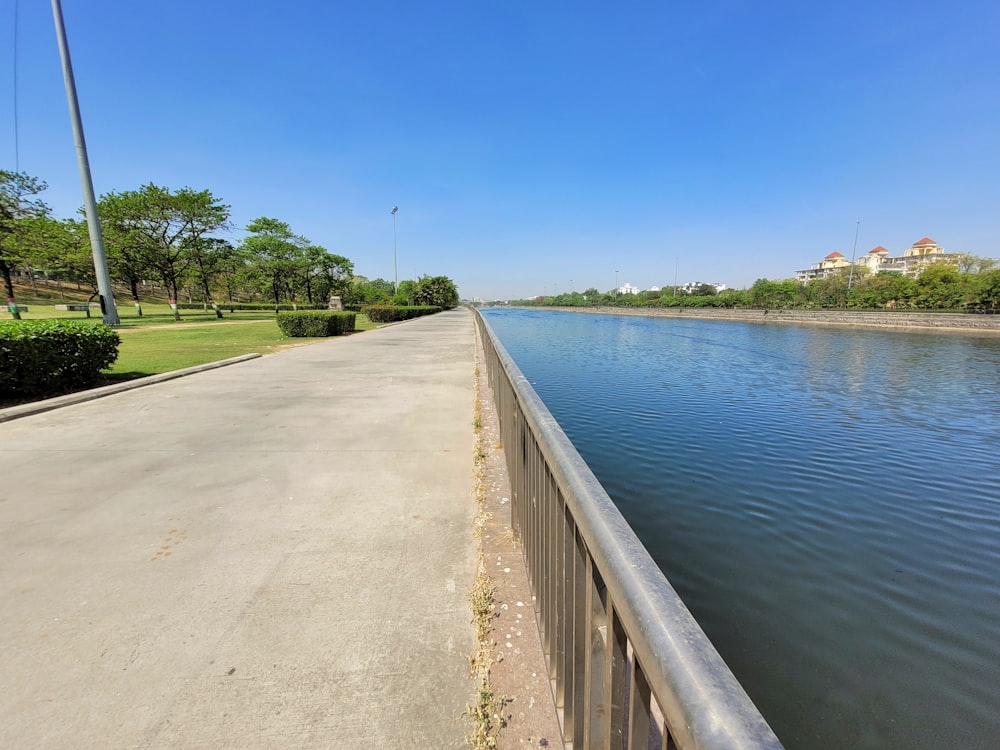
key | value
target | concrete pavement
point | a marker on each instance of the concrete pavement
(272, 554)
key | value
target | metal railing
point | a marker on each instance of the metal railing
(628, 664)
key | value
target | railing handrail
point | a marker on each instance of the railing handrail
(703, 704)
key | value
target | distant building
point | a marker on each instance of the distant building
(627, 288)
(693, 286)
(826, 267)
(913, 260)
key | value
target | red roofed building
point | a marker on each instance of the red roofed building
(913, 260)
(829, 265)
(925, 246)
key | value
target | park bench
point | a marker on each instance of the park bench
(83, 307)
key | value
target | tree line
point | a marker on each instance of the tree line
(971, 284)
(171, 238)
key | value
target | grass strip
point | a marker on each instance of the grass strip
(487, 713)
(155, 349)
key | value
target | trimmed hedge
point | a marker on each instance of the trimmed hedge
(393, 313)
(48, 357)
(315, 322)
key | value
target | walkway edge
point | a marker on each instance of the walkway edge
(37, 407)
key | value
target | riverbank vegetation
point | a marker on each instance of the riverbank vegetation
(939, 286)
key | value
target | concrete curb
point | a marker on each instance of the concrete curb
(37, 407)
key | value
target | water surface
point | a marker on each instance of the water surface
(826, 500)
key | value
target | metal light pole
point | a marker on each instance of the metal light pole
(616, 284)
(395, 273)
(850, 275)
(108, 309)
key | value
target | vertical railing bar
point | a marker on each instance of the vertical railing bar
(638, 707)
(551, 572)
(607, 694)
(588, 656)
(543, 562)
(536, 553)
(581, 586)
(598, 646)
(561, 604)
(617, 679)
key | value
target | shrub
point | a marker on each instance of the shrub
(47, 357)
(394, 313)
(315, 323)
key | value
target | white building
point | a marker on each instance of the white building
(692, 286)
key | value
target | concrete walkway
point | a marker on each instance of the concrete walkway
(272, 554)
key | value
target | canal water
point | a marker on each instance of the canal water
(826, 500)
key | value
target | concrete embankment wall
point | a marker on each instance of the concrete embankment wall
(911, 320)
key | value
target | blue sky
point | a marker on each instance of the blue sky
(531, 146)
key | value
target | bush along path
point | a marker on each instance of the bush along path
(308, 323)
(40, 358)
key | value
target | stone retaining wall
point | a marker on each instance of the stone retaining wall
(912, 320)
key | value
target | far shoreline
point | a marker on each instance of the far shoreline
(905, 320)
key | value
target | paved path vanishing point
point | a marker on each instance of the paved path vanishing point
(272, 554)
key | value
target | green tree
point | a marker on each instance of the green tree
(124, 244)
(375, 292)
(165, 229)
(830, 291)
(209, 256)
(18, 207)
(406, 293)
(883, 289)
(235, 272)
(325, 274)
(62, 249)
(969, 263)
(985, 291)
(436, 290)
(734, 298)
(277, 256)
(941, 286)
(775, 294)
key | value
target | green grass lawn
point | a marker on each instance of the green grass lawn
(161, 346)
(150, 351)
(152, 314)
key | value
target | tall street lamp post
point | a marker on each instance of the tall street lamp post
(395, 273)
(108, 309)
(616, 284)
